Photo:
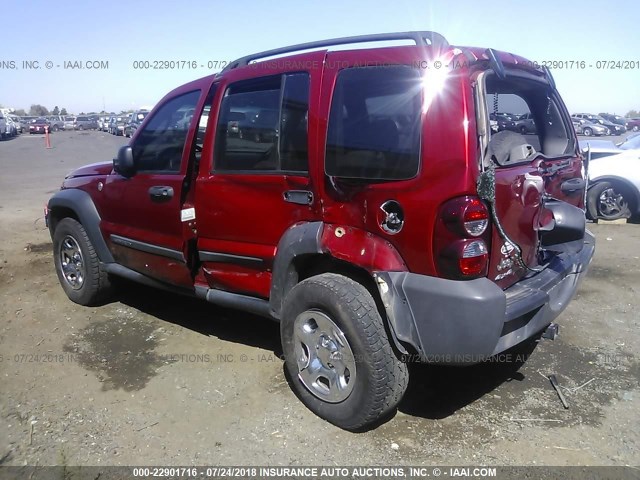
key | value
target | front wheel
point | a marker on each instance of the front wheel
(587, 132)
(608, 202)
(81, 276)
(337, 354)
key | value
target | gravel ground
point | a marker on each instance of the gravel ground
(159, 379)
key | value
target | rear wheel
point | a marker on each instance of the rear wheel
(608, 201)
(337, 353)
(77, 265)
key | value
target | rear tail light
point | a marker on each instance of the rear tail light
(475, 218)
(475, 258)
(461, 239)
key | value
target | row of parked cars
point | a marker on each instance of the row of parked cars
(122, 125)
(10, 125)
(585, 124)
(125, 124)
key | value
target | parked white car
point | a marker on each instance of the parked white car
(69, 122)
(604, 148)
(614, 186)
(12, 126)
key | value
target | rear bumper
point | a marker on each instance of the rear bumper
(465, 322)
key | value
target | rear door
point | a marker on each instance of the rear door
(258, 184)
(145, 221)
(522, 186)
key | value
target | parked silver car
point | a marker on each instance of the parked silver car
(587, 128)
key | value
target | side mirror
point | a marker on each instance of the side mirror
(123, 163)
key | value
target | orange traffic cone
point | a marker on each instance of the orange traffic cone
(47, 140)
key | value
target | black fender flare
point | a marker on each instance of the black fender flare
(81, 204)
(300, 239)
(306, 239)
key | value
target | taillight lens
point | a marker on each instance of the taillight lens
(475, 218)
(475, 259)
(461, 239)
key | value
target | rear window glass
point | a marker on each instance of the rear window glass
(528, 108)
(374, 124)
(262, 125)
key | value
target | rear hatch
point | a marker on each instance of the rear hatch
(538, 175)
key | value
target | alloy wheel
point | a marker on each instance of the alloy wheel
(72, 263)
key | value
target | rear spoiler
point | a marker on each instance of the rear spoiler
(497, 66)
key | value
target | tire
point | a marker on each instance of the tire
(608, 202)
(587, 132)
(77, 265)
(635, 128)
(80, 128)
(340, 317)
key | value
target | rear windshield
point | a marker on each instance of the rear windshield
(532, 112)
(374, 124)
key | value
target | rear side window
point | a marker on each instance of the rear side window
(374, 124)
(262, 125)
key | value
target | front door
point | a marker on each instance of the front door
(144, 220)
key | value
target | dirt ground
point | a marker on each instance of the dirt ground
(159, 379)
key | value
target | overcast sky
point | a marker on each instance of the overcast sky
(208, 31)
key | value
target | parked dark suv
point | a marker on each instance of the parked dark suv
(371, 210)
(135, 120)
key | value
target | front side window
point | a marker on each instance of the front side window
(160, 143)
(262, 125)
(374, 124)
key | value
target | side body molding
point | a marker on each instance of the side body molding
(81, 204)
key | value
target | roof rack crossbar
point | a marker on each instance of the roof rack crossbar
(420, 37)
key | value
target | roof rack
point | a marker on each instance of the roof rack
(420, 37)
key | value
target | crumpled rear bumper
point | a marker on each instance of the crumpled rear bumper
(465, 322)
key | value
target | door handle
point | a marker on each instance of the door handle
(300, 197)
(161, 193)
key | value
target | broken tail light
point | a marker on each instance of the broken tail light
(462, 238)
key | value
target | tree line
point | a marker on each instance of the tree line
(38, 110)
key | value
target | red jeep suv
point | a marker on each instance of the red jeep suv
(360, 198)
